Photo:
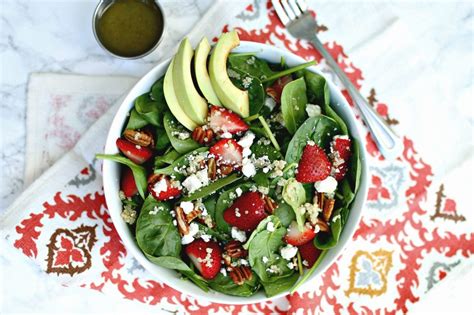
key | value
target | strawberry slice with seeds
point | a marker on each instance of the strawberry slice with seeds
(206, 256)
(275, 90)
(296, 237)
(246, 212)
(227, 152)
(310, 253)
(314, 165)
(223, 120)
(162, 188)
(340, 155)
(127, 183)
(134, 152)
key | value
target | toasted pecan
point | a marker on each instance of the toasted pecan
(234, 249)
(202, 135)
(183, 226)
(328, 208)
(212, 168)
(240, 274)
(139, 137)
(193, 215)
(270, 204)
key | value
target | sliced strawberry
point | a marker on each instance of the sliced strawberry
(127, 183)
(340, 155)
(314, 165)
(206, 256)
(223, 120)
(246, 212)
(296, 237)
(309, 253)
(162, 188)
(136, 153)
(275, 90)
(227, 152)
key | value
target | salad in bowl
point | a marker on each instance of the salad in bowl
(234, 172)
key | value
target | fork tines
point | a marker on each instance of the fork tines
(289, 10)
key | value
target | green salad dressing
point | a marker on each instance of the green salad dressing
(130, 28)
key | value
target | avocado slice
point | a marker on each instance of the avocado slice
(200, 71)
(172, 101)
(192, 103)
(230, 96)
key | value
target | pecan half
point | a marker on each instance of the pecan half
(270, 204)
(240, 274)
(211, 168)
(234, 249)
(183, 226)
(202, 135)
(323, 226)
(193, 215)
(319, 200)
(225, 169)
(141, 138)
(153, 178)
(327, 209)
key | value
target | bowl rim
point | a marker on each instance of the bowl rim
(111, 183)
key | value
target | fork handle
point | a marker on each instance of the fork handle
(387, 141)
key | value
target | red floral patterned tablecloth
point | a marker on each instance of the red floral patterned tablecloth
(412, 234)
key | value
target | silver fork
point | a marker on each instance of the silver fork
(300, 24)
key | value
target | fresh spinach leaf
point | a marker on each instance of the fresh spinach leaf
(156, 235)
(250, 64)
(261, 179)
(179, 164)
(268, 132)
(224, 284)
(280, 284)
(212, 187)
(210, 204)
(168, 158)
(355, 166)
(259, 149)
(285, 213)
(328, 240)
(157, 93)
(320, 129)
(318, 93)
(136, 121)
(162, 140)
(174, 131)
(150, 110)
(139, 172)
(179, 265)
(253, 85)
(266, 244)
(293, 104)
(224, 201)
(260, 227)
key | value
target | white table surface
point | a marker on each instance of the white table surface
(56, 36)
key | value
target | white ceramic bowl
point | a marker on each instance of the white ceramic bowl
(111, 175)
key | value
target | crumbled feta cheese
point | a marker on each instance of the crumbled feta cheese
(310, 142)
(248, 168)
(247, 140)
(192, 183)
(317, 229)
(264, 190)
(246, 82)
(270, 103)
(203, 176)
(264, 259)
(313, 110)
(327, 185)
(244, 262)
(226, 135)
(246, 152)
(270, 227)
(238, 234)
(238, 191)
(337, 217)
(273, 269)
(237, 213)
(206, 238)
(288, 252)
(290, 265)
(312, 211)
(193, 230)
(223, 271)
(139, 147)
(187, 206)
(160, 186)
